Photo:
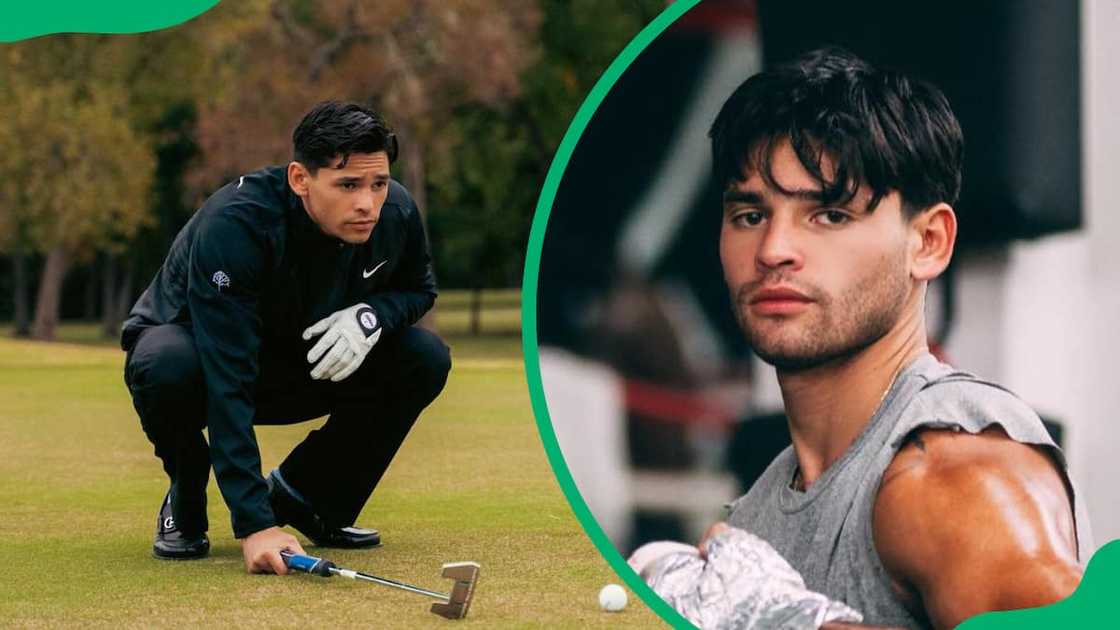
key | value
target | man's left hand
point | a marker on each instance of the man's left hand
(348, 336)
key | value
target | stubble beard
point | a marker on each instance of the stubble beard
(831, 330)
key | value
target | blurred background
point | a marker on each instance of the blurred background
(663, 413)
(110, 143)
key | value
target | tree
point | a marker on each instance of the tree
(15, 211)
(82, 172)
(415, 61)
(98, 114)
(488, 187)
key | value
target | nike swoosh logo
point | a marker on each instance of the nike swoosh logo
(241, 181)
(366, 274)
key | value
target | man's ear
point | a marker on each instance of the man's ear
(933, 232)
(299, 178)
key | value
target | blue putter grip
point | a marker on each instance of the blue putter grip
(307, 564)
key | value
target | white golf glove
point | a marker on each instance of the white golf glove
(348, 336)
(743, 584)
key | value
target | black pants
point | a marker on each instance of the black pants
(337, 466)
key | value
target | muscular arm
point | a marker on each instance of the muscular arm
(966, 524)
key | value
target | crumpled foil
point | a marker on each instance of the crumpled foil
(744, 584)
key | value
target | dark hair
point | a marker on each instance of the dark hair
(878, 128)
(333, 129)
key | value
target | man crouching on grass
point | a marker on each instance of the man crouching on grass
(290, 294)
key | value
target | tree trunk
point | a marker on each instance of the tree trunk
(19, 286)
(414, 178)
(89, 298)
(108, 295)
(476, 311)
(124, 297)
(50, 294)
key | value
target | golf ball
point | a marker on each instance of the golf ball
(612, 598)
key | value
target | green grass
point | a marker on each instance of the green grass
(494, 320)
(460, 298)
(79, 488)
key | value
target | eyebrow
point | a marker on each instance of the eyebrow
(351, 179)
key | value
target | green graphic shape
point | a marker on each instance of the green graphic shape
(1086, 608)
(24, 19)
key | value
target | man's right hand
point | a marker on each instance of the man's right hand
(716, 529)
(261, 550)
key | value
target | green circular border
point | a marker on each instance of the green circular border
(529, 308)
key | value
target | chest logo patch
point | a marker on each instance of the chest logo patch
(220, 279)
(366, 274)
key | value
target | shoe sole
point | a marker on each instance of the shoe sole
(158, 556)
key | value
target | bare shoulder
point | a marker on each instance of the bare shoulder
(937, 456)
(956, 513)
(979, 480)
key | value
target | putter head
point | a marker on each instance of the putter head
(465, 575)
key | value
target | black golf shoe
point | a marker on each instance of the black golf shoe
(174, 544)
(291, 510)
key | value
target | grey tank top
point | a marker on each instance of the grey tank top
(826, 532)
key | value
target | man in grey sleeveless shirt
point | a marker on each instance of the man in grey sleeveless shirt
(917, 494)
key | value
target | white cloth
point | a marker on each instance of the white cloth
(743, 584)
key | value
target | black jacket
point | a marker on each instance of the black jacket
(251, 268)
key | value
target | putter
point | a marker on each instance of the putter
(454, 605)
